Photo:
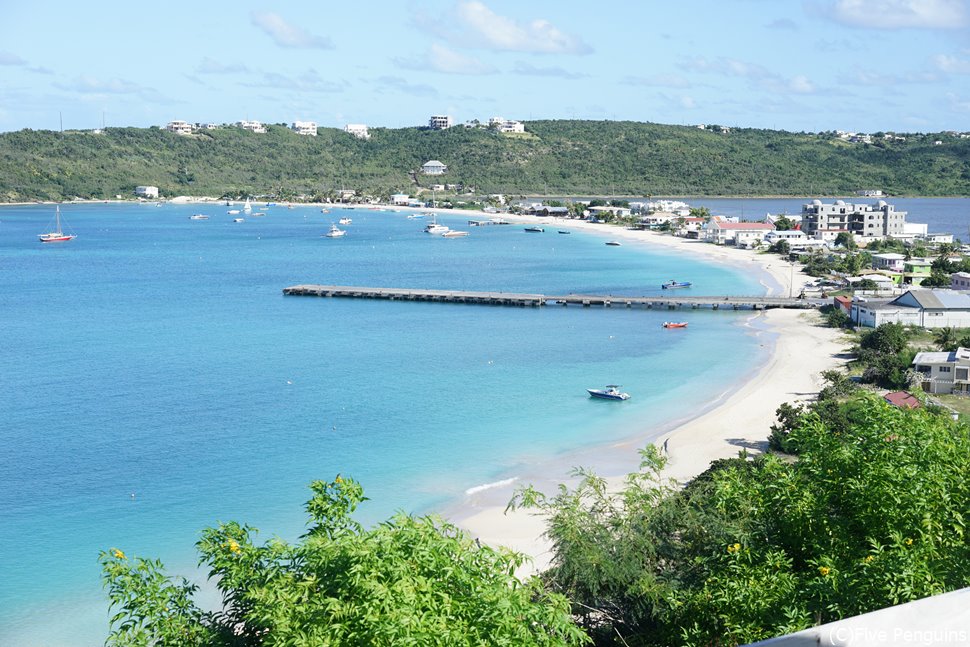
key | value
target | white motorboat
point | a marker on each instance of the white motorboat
(454, 233)
(434, 228)
(609, 392)
(335, 232)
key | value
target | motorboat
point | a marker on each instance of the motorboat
(454, 233)
(334, 232)
(609, 392)
(238, 220)
(675, 324)
(565, 231)
(613, 243)
(198, 216)
(345, 221)
(56, 235)
(674, 285)
(434, 228)
(534, 230)
(233, 212)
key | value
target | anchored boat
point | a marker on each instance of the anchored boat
(609, 392)
(674, 285)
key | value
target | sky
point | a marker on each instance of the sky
(797, 65)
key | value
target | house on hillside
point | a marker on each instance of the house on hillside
(440, 122)
(944, 372)
(922, 307)
(179, 127)
(147, 192)
(305, 128)
(357, 130)
(433, 167)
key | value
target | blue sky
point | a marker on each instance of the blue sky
(856, 65)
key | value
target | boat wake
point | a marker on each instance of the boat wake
(490, 486)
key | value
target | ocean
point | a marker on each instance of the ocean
(155, 381)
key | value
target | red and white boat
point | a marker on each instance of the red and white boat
(56, 236)
(675, 324)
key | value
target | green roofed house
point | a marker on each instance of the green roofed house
(920, 307)
(916, 271)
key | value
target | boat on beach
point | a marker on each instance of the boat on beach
(609, 392)
(675, 324)
(56, 235)
(674, 285)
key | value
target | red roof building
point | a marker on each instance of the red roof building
(902, 400)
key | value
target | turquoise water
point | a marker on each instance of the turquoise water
(156, 356)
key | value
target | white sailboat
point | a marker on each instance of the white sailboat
(247, 207)
(56, 235)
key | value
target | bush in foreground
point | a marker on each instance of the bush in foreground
(409, 581)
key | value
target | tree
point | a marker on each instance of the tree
(846, 240)
(416, 581)
(700, 212)
(872, 513)
(946, 338)
(784, 223)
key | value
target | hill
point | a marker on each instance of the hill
(552, 158)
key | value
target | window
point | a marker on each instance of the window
(963, 373)
(944, 369)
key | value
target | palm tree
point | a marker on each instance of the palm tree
(946, 338)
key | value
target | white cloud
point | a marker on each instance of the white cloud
(527, 69)
(901, 14)
(210, 66)
(309, 81)
(801, 85)
(405, 86)
(659, 81)
(441, 59)
(865, 77)
(287, 35)
(475, 25)
(687, 103)
(6, 58)
(958, 103)
(952, 64)
(759, 76)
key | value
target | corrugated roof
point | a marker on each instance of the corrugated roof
(934, 357)
(938, 299)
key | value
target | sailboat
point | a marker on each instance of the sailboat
(247, 207)
(56, 236)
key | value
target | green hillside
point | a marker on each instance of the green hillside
(552, 158)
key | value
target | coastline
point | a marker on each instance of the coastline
(798, 348)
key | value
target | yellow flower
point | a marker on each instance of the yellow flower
(117, 554)
(868, 559)
(908, 542)
(733, 548)
(338, 480)
(824, 570)
(233, 546)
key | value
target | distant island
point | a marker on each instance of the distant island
(580, 158)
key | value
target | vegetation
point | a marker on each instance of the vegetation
(559, 157)
(872, 513)
(406, 582)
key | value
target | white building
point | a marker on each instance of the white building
(944, 372)
(433, 167)
(400, 198)
(511, 126)
(926, 308)
(252, 126)
(827, 221)
(305, 128)
(741, 234)
(440, 122)
(148, 192)
(960, 281)
(357, 130)
(598, 212)
(889, 261)
(179, 127)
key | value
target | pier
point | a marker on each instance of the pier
(539, 300)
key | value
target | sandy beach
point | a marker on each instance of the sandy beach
(800, 349)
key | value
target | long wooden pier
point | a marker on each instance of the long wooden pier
(537, 300)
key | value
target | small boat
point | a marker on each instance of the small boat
(415, 215)
(565, 231)
(325, 210)
(675, 324)
(454, 233)
(238, 220)
(233, 212)
(198, 216)
(673, 285)
(334, 232)
(609, 392)
(613, 243)
(535, 229)
(56, 235)
(345, 221)
(247, 207)
(434, 228)
(257, 214)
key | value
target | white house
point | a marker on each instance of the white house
(440, 122)
(944, 372)
(400, 198)
(596, 212)
(925, 308)
(305, 128)
(252, 126)
(179, 127)
(795, 238)
(742, 234)
(511, 126)
(960, 281)
(433, 167)
(148, 192)
(888, 261)
(357, 130)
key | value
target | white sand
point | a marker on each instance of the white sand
(741, 420)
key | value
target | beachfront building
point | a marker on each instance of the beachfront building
(252, 126)
(741, 234)
(440, 122)
(944, 372)
(865, 221)
(305, 128)
(433, 167)
(357, 130)
(147, 192)
(400, 199)
(598, 213)
(923, 307)
(179, 127)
